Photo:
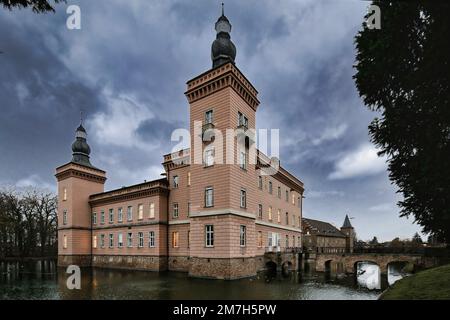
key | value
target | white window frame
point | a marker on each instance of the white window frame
(94, 217)
(65, 217)
(243, 235)
(209, 191)
(151, 214)
(94, 241)
(260, 211)
(209, 116)
(140, 211)
(111, 240)
(209, 156)
(243, 198)
(175, 239)
(151, 239)
(111, 215)
(120, 214)
(120, 240)
(175, 210)
(130, 240)
(209, 236)
(102, 240)
(130, 213)
(102, 217)
(140, 239)
(176, 181)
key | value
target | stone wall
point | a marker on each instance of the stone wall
(148, 263)
(179, 263)
(223, 268)
(79, 260)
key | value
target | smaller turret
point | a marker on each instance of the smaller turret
(349, 232)
(223, 49)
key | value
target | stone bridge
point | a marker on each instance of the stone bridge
(282, 261)
(347, 263)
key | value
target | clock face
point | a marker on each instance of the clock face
(223, 26)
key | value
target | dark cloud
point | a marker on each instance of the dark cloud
(127, 69)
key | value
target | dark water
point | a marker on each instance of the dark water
(43, 280)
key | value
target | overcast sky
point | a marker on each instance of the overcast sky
(127, 69)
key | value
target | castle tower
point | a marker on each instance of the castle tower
(223, 180)
(349, 232)
(77, 180)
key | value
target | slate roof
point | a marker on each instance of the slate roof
(322, 228)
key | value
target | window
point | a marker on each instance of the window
(102, 217)
(299, 243)
(175, 238)
(64, 194)
(293, 241)
(287, 195)
(209, 197)
(243, 198)
(65, 242)
(270, 187)
(120, 214)
(209, 157)
(120, 240)
(279, 192)
(65, 217)
(111, 215)
(141, 239)
(151, 239)
(151, 214)
(175, 181)
(94, 242)
(130, 239)
(279, 216)
(270, 213)
(293, 198)
(287, 241)
(260, 211)
(260, 182)
(189, 209)
(175, 210)
(102, 240)
(243, 159)
(242, 120)
(243, 236)
(287, 218)
(111, 240)
(269, 240)
(94, 217)
(189, 179)
(130, 213)
(209, 235)
(208, 117)
(140, 211)
(260, 239)
(299, 202)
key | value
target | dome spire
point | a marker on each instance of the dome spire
(80, 147)
(223, 49)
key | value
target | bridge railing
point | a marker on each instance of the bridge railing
(284, 249)
(424, 251)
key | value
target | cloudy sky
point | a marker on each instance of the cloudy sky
(127, 68)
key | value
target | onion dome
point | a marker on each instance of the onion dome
(80, 148)
(223, 49)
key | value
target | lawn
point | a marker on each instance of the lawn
(431, 284)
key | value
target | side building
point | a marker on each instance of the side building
(323, 237)
(213, 215)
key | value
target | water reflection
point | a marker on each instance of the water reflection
(397, 271)
(42, 280)
(368, 275)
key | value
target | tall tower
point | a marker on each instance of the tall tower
(77, 180)
(223, 180)
(349, 232)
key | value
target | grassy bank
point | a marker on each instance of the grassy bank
(431, 284)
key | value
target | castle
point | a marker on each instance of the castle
(209, 218)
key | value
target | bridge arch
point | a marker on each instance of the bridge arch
(271, 267)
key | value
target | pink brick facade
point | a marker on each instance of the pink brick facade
(213, 220)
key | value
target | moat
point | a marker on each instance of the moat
(43, 280)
